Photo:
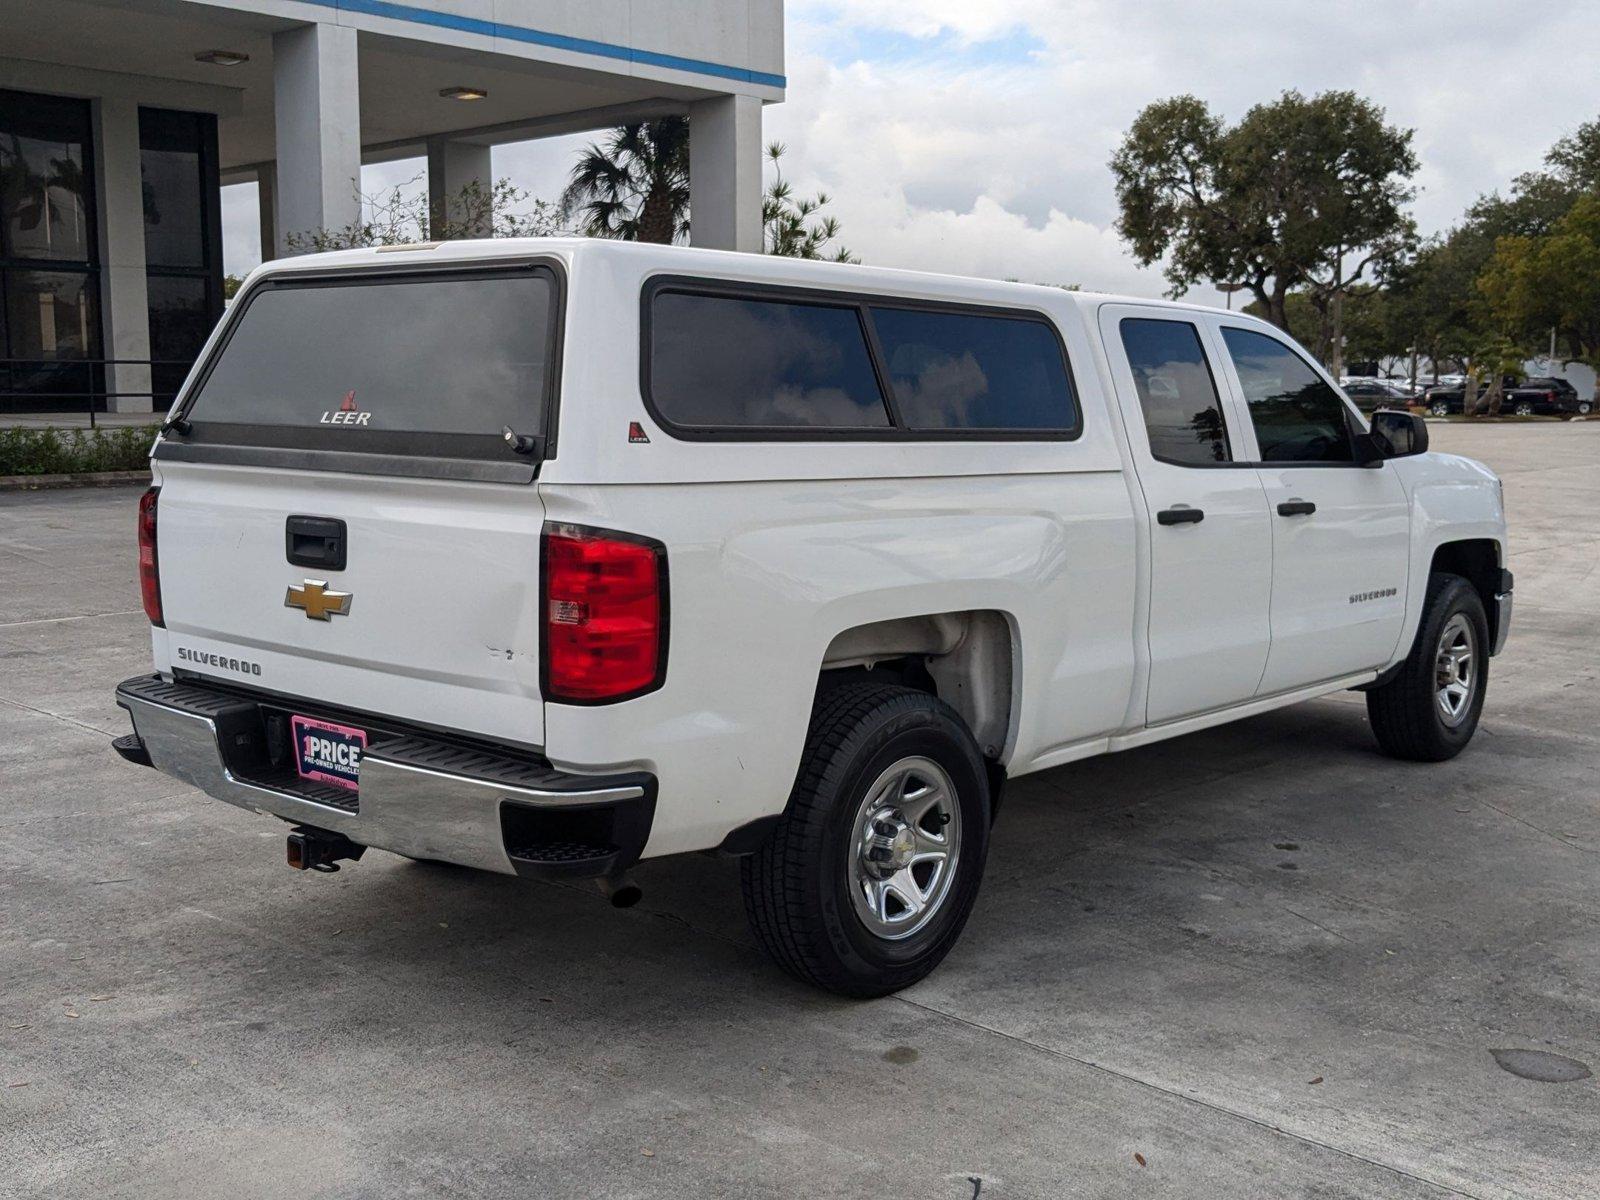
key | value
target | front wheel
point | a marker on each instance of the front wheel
(1439, 409)
(1524, 409)
(1429, 710)
(868, 878)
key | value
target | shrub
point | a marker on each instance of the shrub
(50, 451)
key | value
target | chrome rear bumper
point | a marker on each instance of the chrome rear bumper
(420, 797)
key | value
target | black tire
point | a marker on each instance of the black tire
(1585, 407)
(1405, 712)
(797, 885)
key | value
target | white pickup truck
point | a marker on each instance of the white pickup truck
(545, 557)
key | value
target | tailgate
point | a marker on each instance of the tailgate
(441, 626)
(360, 404)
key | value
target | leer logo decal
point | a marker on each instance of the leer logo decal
(318, 602)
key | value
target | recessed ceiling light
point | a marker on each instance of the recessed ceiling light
(463, 93)
(222, 58)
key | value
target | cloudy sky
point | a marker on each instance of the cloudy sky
(973, 137)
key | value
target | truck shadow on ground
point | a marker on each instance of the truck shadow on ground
(1120, 845)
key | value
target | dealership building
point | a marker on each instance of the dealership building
(120, 120)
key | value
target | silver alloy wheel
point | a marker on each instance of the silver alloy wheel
(1456, 669)
(1524, 409)
(904, 847)
(1440, 409)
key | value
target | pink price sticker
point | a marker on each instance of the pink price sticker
(328, 753)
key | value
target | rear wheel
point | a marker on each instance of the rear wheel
(1439, 409)
(1585, 407)
(1429, 711)
(867, 880)
(1524, 409)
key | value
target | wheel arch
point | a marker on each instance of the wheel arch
(1478, 561)
(969, 658)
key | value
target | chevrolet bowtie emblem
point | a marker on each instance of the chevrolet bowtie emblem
(318, 602)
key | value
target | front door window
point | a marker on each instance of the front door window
(1297, 415)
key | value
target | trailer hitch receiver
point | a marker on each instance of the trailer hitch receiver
(313, 849)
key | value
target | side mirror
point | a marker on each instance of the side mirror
(1399, 434)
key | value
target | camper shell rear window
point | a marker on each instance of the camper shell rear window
(428, 365)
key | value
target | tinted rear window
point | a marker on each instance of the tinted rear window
(957, 370)
(1182, 413)
(721, 362)
(421, 364)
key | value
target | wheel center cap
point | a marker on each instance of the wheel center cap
(890, 845)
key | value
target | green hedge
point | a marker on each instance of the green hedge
(71, 451)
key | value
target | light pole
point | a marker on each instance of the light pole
(1228, 289)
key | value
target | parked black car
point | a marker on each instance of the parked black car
(1543, 395)
(1582, 405)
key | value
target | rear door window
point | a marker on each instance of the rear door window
(1177, 394)
(960, 370)
(1297, 415)
(424, 364)
(731, 362)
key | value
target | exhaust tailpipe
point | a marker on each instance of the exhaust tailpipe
(621, 890)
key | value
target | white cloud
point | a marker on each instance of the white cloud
(974, 137)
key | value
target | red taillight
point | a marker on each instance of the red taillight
(605, 615)
(149, 567)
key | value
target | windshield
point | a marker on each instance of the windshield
(370, 363)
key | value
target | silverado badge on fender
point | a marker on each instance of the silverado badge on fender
(319, 603)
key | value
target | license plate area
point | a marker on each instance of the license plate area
(326, 752)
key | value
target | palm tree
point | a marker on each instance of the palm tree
(635, 186)
(791, 227)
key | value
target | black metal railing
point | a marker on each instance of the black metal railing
(44, 387)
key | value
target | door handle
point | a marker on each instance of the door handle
(1296, 508)
(1181, 515)
(315, 542)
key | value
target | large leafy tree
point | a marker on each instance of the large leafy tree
(1432, 308)
(635, 184)
(1302, 194)
(1538, 283)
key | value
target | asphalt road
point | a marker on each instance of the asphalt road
(1258, 961)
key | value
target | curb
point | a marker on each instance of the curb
(28, 483)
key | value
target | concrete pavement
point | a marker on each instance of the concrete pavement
(1258, 961)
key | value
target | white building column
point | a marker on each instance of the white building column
(725, 173)
(267, 204)
(453, 166)
(124, 296)
(318, 112)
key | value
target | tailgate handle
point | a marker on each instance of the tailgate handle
(315, 542)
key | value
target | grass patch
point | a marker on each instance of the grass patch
(75, 451)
